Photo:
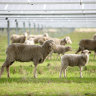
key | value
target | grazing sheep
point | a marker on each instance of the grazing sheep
(74, 60)
(29, 42)
(60, 49)
(87, 44)
(19, 38)
(26, 53)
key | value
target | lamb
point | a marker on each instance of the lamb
(87, 44)
(60, 49)
(19, 38)
(74, 60)
(26, 53)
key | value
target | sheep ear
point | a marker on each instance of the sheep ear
(82, 52)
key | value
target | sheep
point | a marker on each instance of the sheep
(29, 42)
(64, 41)
(57, 41)
(72, 60)
(87, 44)
(19, 38)
(26, 53)
(60, 49)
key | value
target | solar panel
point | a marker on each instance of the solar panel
(52, 13)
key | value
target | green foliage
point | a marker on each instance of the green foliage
(48, 82)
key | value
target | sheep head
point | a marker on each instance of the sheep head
(68, 48)
(86, 52)
(49, 44)
(68, 40)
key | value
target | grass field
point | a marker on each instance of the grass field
(48, 82)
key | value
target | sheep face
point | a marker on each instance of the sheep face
(69, 48)
(68, 40)
(85, 52)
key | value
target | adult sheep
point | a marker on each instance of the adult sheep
(26, 53)
(74, 60)
(87, 44)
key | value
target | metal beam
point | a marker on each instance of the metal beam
(32, 3)
(9, 10)
(27, 17)
(44, 14)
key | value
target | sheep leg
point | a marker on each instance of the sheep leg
(60, 72)
(79, 49)
(8, 74)
(35, 75)
(81, 68)
(2, 68)
(64, 72)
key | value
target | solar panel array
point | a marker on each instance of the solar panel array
(49, 13)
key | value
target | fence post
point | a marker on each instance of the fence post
(16, 26)
(24, 27)
(34, 28)
(8, 31)
(29, 27)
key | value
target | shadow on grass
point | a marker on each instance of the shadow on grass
(48, 80)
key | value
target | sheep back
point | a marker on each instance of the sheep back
(73, 60)
(24, 53)
(87, 44)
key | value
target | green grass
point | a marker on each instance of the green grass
(48, 82)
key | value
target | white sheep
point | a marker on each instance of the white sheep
(27, 53)
(74, 60)
(19, 38)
